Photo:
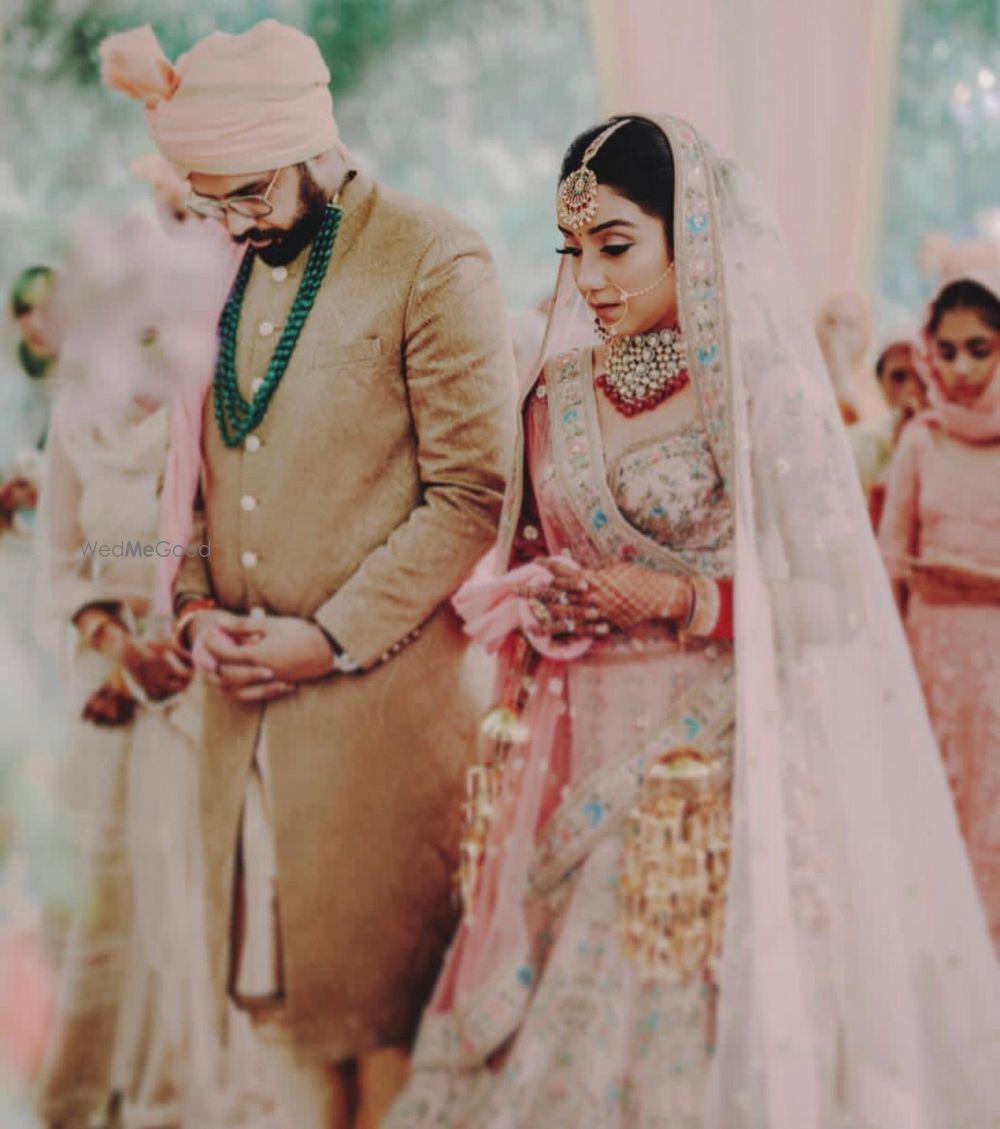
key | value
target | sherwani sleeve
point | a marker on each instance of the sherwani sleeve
(899, 528)
(459, 374)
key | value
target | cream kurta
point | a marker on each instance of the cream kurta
(110, 1034)
(366, 495)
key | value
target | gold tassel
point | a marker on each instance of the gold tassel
(675, 868)
(500, 731)
(503, 726)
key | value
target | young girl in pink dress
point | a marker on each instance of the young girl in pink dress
(713, 877)
(940, 536)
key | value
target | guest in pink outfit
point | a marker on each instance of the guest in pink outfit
(940, 536)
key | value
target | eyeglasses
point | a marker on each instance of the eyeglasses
(249, 207)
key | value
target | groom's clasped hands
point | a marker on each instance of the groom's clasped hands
(258, 657)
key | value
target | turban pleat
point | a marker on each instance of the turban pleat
(233, 104)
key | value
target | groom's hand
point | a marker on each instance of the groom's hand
(263, 657)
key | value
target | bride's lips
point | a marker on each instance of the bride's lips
(603, 309)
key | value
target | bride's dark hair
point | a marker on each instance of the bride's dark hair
(636, 160)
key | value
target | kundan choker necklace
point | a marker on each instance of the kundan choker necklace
(235, 416)
(644, 370)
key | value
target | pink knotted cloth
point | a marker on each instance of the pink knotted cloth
(233, 104)
(492, 607)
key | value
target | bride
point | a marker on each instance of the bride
(712, 873)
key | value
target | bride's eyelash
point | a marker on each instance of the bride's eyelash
(615, 249)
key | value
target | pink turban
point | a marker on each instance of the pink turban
(234, 104)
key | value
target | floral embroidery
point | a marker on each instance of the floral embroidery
(594, 811)
(670, 490)
(683, 479)
(706, 356)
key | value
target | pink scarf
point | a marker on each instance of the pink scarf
(180, 486)
(180, 483)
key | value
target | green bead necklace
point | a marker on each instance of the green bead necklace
(235, 416)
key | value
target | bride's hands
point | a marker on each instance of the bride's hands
(157, 667)
(616, 597)
(564, 608)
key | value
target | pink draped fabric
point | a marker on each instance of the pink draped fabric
(800, 93)
(183, 471)
(492, 608)
(180, 487)
(656, 53)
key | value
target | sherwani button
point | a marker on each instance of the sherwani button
(530, 533)
(266, 328)
(279, 274)
(252, 443)
(248, 559)
(248, 502)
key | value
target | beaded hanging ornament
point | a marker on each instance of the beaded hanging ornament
(675, 868)
(576, 202)
(235, 416)
(502, 737)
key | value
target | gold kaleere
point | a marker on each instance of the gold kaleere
(675, 868)
(501, 731)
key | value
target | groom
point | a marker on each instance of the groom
(353, 447)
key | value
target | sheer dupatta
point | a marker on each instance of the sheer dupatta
(858, 978)
(858, 981)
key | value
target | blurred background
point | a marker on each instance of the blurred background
(875, 124)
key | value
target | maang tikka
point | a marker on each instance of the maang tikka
(576, 203)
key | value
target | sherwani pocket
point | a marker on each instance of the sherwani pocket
(332, 351)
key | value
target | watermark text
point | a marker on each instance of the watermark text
(143, 549)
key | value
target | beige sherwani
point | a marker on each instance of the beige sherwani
(364, 498)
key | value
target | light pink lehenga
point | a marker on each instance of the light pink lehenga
(601, 1045)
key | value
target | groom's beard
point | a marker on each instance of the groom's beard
(281, 247)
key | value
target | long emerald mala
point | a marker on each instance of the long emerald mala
(235, 416)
